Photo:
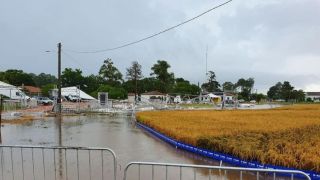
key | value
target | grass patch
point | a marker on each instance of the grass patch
(287, 136)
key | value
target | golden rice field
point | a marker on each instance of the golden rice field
(287, 136)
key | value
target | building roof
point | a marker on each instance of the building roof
(3, 84)
(313, 93)
(66, 91)
(157, 93)
(32, 89)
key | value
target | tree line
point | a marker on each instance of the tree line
(110, 79)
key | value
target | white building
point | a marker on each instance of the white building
(12, 92)
(229, 96)
(314, 96)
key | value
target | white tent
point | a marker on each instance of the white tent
(74, 91)
(12, 92)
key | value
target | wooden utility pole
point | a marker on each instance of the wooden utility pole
(1, 102)
(59, 80)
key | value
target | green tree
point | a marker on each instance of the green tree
(160, 70)
(298, 95)
(212, 85)
(17, 77)
(134, 73)
(144, 85)
(258, 97)
(275, 91)
(286, 91)
(72, 77)
(245, 86)
(43, 79)
(45, 90)
(113, 92)
(2, 76)
(110, 73)
(228, 86)
(184, 87)
(92, 83)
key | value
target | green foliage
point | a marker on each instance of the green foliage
(275, 91)
(184, 87)
(309, 99)
(258, 97)
(92, 83)
(134, 73)
(46, 89)
(285, 91)
(245, 86)
(228, 86)
(16, 77)
(113, 92)
(110, 73)
(298, 95)
(160, 70)
(212, 85)
(43, 79)
(151, 84)
(72, 77)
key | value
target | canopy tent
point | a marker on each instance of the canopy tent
(74, 91)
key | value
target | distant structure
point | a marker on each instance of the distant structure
(131, 97)
(153, 96)
(217, 97)
(314, 96)
(32, 91)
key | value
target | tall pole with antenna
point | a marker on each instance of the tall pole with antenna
(207, 61)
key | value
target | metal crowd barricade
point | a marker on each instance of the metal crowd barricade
(56, 162)
(254, 172)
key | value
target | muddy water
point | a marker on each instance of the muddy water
(118, 133)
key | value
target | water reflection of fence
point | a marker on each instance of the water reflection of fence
(37, 162)
(186, 171)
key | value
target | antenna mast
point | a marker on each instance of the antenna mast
(207, 61)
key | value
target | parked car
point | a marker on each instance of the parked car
(44, 100)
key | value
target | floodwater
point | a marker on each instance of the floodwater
(118, 133)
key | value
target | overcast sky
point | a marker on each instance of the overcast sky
(269, 40)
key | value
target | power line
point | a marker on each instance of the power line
(156, 34)
(74, 60)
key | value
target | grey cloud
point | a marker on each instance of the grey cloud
(246, 38)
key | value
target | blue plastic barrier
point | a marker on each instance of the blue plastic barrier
(222, 157)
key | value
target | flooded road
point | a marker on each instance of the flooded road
(119, 133)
